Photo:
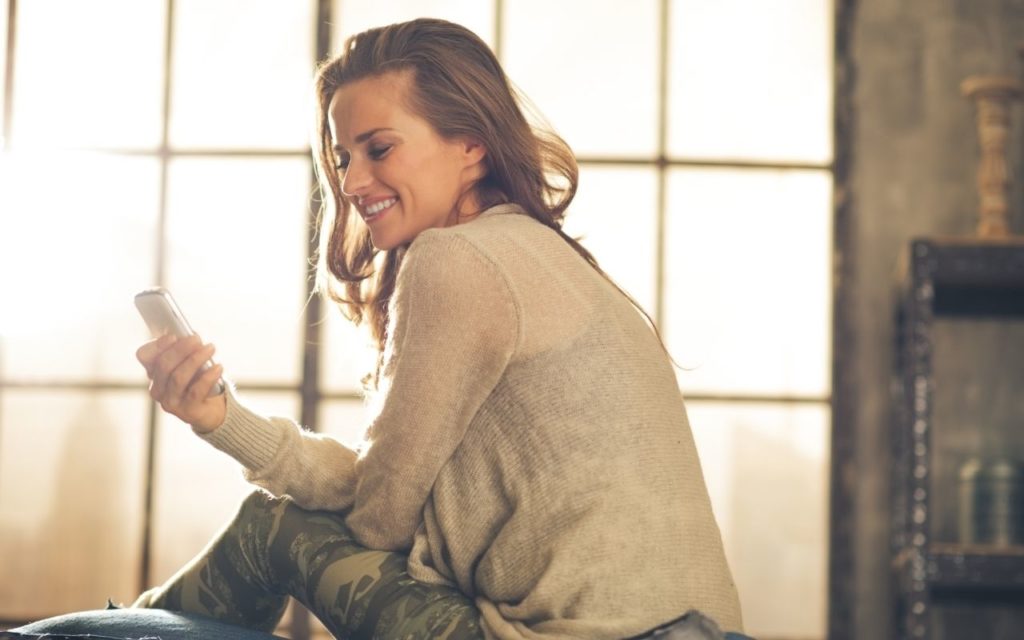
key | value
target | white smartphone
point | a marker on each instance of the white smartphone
(164, 317)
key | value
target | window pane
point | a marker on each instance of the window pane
(766, 467)
(747, 295)
(353, 16)
(242, 74)
(751, 80)
(71, 484)
(591, 68)
(197, 489)
(345, 420)
(236, 256)
(348, 353)
(614, 215)
(72, 263)
(89, 73)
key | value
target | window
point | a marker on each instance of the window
(704, 139)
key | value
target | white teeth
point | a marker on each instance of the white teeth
(377, 207)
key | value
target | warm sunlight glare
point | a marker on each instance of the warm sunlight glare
(35, 288)
(749, 312)
(74, 246)
(70, 88)
(237, 81)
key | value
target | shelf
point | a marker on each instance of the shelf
(957, 299)
(964, 262)
(972, 264)
(956, 566)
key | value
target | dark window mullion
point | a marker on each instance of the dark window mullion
(161, 276)
(12, 16)
(662, 183)
(165, 152)
(312, 338)
(312, 343)
(662, 162)
(746, 398)
(499, 28)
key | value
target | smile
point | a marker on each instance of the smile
(374, 211)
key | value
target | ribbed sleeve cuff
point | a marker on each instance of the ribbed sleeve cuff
(245, 436)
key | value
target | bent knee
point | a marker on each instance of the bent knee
(260, 505)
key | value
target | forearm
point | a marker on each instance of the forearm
(281, 457)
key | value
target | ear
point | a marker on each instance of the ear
(473, 151)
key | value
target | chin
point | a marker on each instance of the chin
(384, 242)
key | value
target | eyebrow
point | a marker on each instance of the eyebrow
(362, 137)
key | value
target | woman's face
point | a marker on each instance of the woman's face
(397, 172)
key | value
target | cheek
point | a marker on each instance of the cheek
(432, 179)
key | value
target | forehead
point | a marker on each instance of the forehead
(370, 103)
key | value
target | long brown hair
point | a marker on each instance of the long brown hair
(459, 87)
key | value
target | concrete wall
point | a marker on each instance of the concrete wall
(906, 159)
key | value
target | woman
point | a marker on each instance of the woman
(529, 472)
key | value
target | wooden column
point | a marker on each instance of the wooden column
(993, 97)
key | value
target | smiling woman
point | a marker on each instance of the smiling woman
(395, 169)
(526, 416)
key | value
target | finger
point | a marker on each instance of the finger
(169, 359)
(162, 368)
(203, 386)
(149, 351)
(188, 369)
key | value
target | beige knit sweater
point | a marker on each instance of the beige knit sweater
(530, 446)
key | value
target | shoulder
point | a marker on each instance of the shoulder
(439, 253)
(449, 277)
(473, 257)
(485, 241)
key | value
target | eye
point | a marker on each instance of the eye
(378, 151)
(341, 162)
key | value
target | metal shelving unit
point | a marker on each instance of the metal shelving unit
(944, 278)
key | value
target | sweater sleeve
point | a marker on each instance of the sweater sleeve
(315, 470)
(454, 327)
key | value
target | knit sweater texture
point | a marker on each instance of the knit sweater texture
(529, 444)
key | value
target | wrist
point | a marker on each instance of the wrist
(211, 424)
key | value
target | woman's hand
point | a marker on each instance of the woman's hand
(178, 383)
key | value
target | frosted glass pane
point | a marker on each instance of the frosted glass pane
(347, 354)
(345, 420)
(71, 495)
(242, 74)
(751, 80)
(614, 215)
(766, 467)
(353, 16)
(197, 489)
(591, 68)
(90, 73)
(236, 259)
(747, 281)
(73, 262)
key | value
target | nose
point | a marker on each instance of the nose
(357, 178)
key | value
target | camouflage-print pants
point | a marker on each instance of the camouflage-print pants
(273, 549)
